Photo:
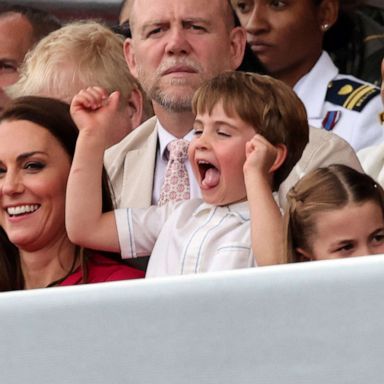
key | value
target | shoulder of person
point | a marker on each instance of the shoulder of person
(351, 93)
(134, 139)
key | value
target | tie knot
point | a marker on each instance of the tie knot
(178, 150)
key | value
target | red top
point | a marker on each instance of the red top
(102, 269)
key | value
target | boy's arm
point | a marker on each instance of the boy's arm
(93, 111)
(266, 220)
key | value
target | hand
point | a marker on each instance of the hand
(260, 156)
(94, 110)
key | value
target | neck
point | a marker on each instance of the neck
(291, 76)
(176, 123)
(42, 267)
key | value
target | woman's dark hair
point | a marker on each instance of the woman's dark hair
(54, 116)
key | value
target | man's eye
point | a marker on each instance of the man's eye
(7, 67)
(154, 31)
(197, 27)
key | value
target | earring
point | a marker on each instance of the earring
(324, 27)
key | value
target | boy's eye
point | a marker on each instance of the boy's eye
(223, 133)
(2, 170)
(197, 132)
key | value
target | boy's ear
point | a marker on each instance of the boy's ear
(303, 254)
(135, 103)
(280, 157)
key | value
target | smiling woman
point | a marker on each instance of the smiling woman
(37, 142)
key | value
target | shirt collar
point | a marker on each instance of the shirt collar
(165, 138)
(241, 210)
(312, 87)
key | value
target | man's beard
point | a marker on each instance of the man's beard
(170, 102)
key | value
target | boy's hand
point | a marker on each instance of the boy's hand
(260, 155)
(94, 110)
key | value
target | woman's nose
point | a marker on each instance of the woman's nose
(11, 183)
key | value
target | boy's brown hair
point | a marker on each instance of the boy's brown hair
(267, 104)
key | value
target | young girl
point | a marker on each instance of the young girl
(334, 212)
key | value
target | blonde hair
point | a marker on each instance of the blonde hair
(267, 104)
(323, 189)
(94, 56)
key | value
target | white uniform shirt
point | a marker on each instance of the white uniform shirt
(187, 237)
(359, 128)
(161, 164)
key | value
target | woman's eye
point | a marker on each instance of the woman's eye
(278, 4)
(34, 166)
(242, 6)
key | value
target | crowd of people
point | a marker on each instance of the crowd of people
(196, 137)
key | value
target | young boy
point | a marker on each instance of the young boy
(250, 130)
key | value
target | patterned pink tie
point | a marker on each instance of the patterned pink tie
(176, 181)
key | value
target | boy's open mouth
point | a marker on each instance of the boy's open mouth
(210, 175)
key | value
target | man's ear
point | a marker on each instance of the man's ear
(129, 55)
(303, 254)
(237, 48)
(280, 157)
(135, 105)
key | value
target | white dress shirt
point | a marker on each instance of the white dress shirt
(359, 128)
(187, 237)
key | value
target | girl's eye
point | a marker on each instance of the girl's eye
(378, 238)
(345, 248)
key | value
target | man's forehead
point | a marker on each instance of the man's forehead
(144, 11)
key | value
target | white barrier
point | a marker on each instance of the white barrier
(313, 323)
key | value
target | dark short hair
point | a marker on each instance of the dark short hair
(41, 21)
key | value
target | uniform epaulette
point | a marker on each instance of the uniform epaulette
(351, 94)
